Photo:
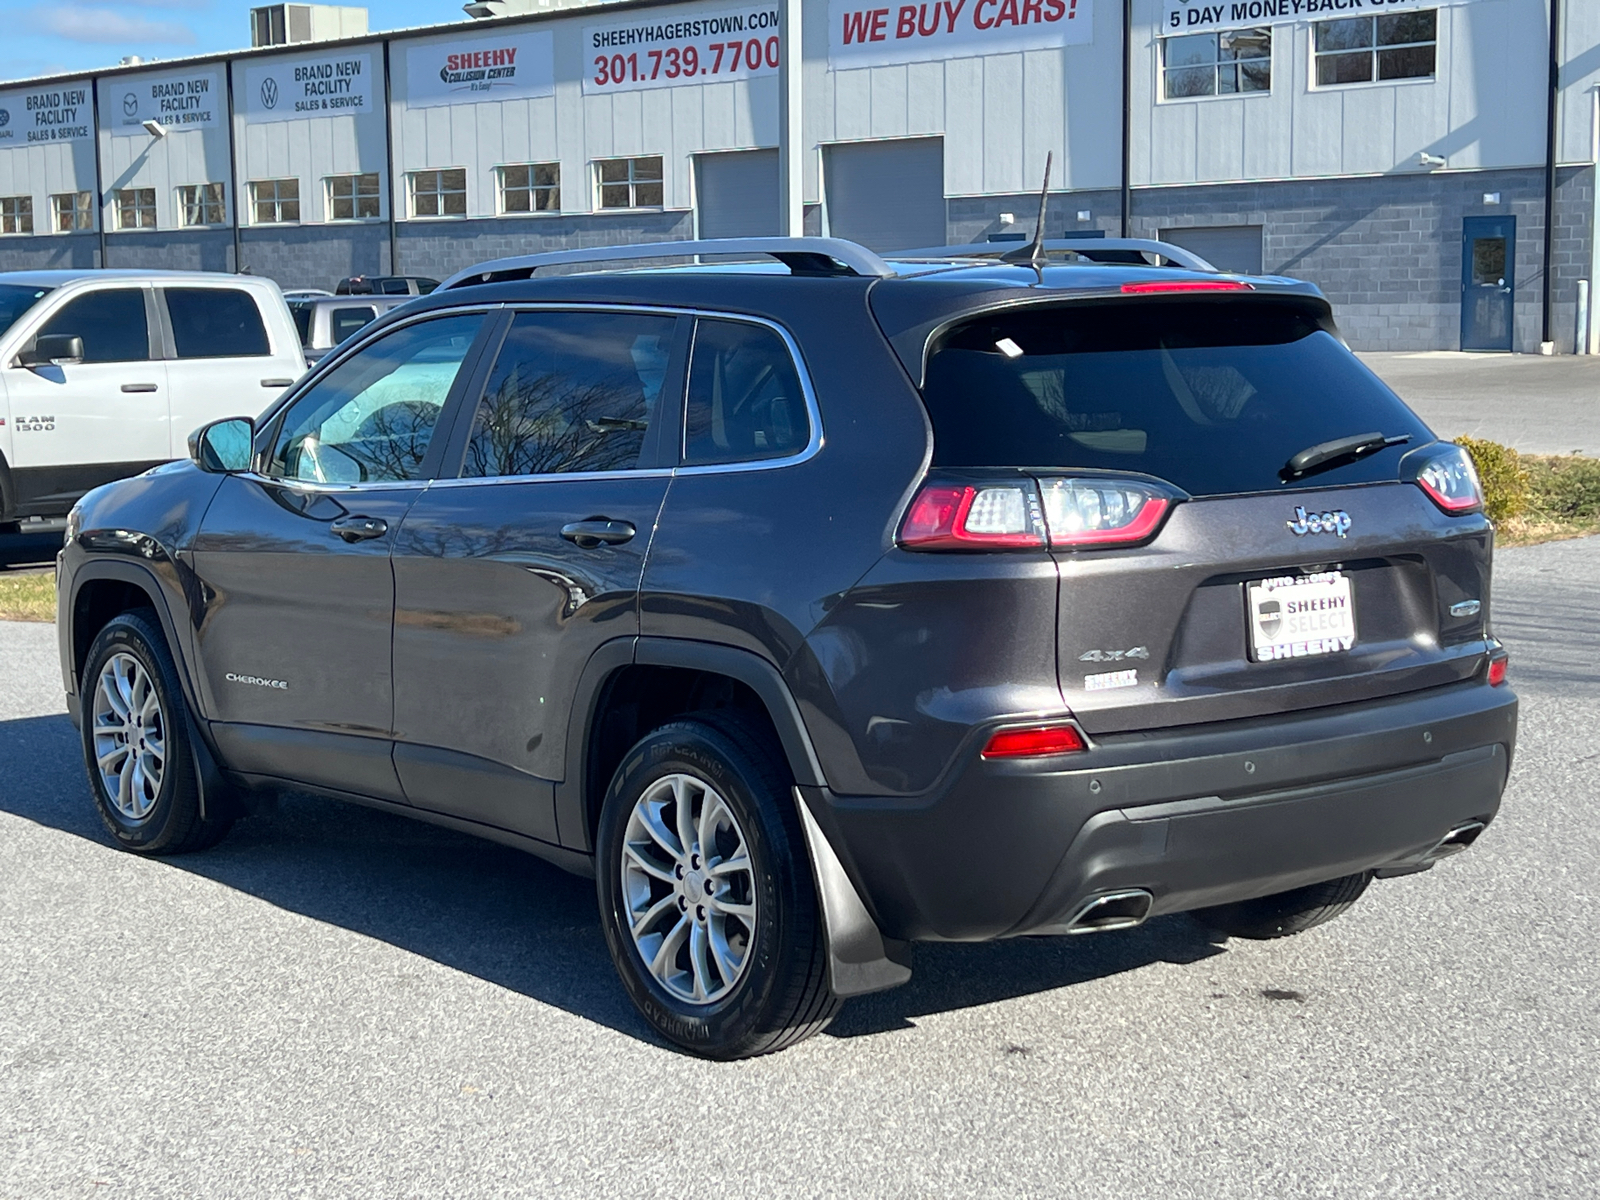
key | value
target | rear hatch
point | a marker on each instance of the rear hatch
(1203, 575)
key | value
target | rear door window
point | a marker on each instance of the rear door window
(745, 400)
(572, 391)
(1213, 396)
(111, 323)
(216, 323)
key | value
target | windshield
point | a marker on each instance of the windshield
(15, 300)
(1212, 396)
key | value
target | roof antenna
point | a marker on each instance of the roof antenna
(1033, 253)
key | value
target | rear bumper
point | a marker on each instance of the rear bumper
(1199, 816)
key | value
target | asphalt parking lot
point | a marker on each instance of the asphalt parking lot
(336, 1002)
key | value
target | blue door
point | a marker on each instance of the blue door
(1488, 280)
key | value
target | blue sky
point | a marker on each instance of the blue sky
(68, 35)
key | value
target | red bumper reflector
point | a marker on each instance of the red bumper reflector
(1497, 669)
(1035, 742)
(1156, 286)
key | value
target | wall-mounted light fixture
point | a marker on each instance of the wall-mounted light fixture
(155, 128)
(1424, 159)
(1491, 197)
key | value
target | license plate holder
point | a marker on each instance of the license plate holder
(1300, 616)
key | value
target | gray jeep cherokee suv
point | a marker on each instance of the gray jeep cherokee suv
(821, 605)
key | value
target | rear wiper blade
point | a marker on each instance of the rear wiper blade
(1323, 454)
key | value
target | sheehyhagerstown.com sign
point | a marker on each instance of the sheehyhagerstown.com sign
(707, 47)
(1183, 16)
(474, 70)
(177, 101)
(331, 85)
(862, 35)
(51, 115)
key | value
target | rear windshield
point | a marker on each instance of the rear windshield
(1214, 396)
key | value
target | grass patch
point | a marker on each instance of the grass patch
(28, 596)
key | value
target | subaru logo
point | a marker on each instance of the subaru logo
(5, 117)
(1337, 521)
(269, 92)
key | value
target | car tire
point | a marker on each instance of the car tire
(1286, 913)
(136, 742)
(724, 960)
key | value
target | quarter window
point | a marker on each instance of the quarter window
(70, 211)
(345, 321)
(571, 391)
(111, 323)
(216, 323)
(353, 197)
(16, 214)
(535, 187)
(372, 418)
(201, 204)
(629, 182)
(275, 201)
(1216, 64)
(438, 193)
(1364, 49)
(745, 401)
(135, 208)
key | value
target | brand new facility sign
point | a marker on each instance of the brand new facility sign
(1188, 16)
(869, 35)
(46, 115)
(470, 70)
(666, 47)
(328, 85)
(194, 101)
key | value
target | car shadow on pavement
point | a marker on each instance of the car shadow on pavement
(508, 918)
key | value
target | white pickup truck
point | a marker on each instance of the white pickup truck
(103, 374)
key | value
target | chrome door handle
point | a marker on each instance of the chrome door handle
(359, 529)
(138, 387)
(276, 383)
(598, 532)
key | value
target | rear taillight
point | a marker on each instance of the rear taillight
(1498, 662)
(1035, 742)
(1079, 512)
(1446, 473)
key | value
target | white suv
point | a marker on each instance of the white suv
(105, 373)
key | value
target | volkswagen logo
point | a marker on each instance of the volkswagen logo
(269, 92)
(130, 105)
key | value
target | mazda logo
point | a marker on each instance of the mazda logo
(269, 92)
(130, 104)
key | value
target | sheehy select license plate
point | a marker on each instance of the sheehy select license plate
(1296, 616)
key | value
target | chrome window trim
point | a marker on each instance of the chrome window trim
(811, 449)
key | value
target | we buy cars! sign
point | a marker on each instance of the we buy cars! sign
(867, 35)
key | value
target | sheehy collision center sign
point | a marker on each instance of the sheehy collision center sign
(657, 50)
(1189, 16)
(177, 101)
(472, 70)
(324, 85)
(868, 35)
(47, 115)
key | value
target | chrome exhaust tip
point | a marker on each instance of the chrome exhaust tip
(1457, 840)
(1111, 910)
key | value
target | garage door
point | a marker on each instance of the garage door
(736, 194)
(887, 195)
(1234, 248)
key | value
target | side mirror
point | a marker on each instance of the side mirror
(53, 348)
(224, 446)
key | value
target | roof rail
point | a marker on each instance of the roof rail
(803, 256)
(1106, 250)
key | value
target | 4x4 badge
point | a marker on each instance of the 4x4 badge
(1337, 521)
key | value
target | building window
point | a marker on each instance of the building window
(1216, 64)
(629, 182)
(1363, 49)
(353, 197)
(535, 187)
(275, 201)
(136, 208)
(70, 211)
(200, 204)
(438, 193)
(16, 214)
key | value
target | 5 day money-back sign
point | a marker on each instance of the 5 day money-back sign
(1200, 16)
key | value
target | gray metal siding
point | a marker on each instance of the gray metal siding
(736, 194)
(1234, 248)
(886, 195)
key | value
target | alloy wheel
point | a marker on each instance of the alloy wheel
(130, 736)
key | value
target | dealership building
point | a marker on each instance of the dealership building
(1395, 152)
